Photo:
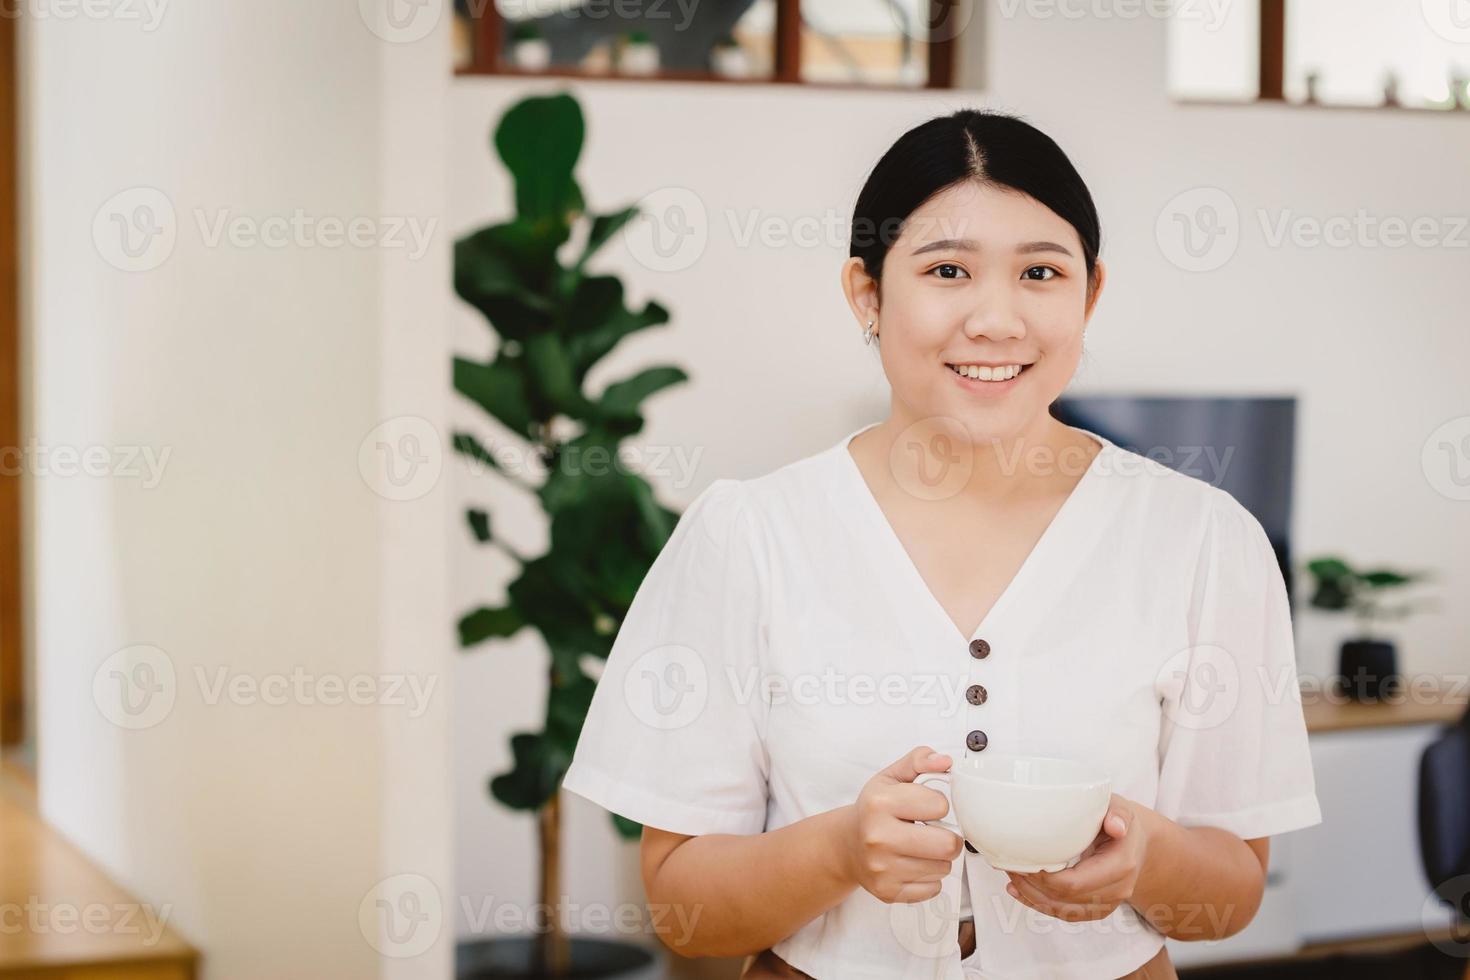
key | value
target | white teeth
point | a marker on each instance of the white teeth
(983, 373)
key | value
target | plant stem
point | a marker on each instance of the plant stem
(553, 951)
(552, 954)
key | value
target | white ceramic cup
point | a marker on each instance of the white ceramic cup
(1025, 813)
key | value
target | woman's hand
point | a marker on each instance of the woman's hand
(1102, 880)
(884, 851)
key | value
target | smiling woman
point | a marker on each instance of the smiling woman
(993, 275)
(969, 575)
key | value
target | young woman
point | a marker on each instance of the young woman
(968, 575)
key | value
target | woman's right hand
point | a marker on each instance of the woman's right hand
(892, 857)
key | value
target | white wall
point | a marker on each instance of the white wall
(1368, 337)
(263, 551)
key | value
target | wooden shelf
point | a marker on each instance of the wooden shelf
(667, 75)
(42, 874)
(1443, 703)
(1369, 945)
(1288, 104)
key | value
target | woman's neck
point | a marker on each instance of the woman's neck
(939, 458)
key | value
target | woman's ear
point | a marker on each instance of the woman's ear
(861, 290)
(1094, 289)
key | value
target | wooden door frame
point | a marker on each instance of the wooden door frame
(12, 655)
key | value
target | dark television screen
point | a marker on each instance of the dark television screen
(1242, 445)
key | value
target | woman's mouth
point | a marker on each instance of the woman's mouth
(993, 375)
(986, 380)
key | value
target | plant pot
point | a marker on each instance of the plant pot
(730, 62)
(638, 59)
(510, 959)
(1367, 670)
(532, 54)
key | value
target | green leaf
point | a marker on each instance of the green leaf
(1385, 579)
(509, 259)
(485, 623)
(595, 320)
(549, 597)
(570, 481)
(467, 445)
(604, 228)
(566, 708)
(506, 272)
(593, 300)
(627, 829)
(499, 388)
(535, 774)
(540, 139)
(624, 397)
(655, 521)
(600, 551)
(1330, 569)
(479, 524)
(555, 389)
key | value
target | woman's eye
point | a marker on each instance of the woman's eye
(1040, 273)
(949, 265)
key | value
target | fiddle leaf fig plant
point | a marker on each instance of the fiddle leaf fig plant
(1340, 587)
(555, 321)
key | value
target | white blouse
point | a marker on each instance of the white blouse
(783, 648)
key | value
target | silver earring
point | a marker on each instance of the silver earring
(868, 334)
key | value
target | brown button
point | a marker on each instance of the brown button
(975, 694)
(971, 848)
(979, 649)
(976, 740)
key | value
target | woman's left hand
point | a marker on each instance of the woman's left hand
(1102, 880)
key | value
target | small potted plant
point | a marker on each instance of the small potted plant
(529, 50)
(639, 55)
(1459, 84)
(1314, 77)
(1391, 87)
(728, 59)
(1367, 664)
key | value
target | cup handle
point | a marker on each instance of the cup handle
(953, 825)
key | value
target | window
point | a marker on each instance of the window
(1411, 54)
(873, 43)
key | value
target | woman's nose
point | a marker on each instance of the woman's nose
(995, 314)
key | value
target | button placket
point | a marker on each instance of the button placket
(977, 695)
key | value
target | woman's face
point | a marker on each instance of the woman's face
(980, 275)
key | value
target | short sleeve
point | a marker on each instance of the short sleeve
(674, 737)
(1233, 743)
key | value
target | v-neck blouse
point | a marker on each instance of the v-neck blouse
(873, 513)
(783, 648)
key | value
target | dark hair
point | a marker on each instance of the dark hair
(971, 144)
